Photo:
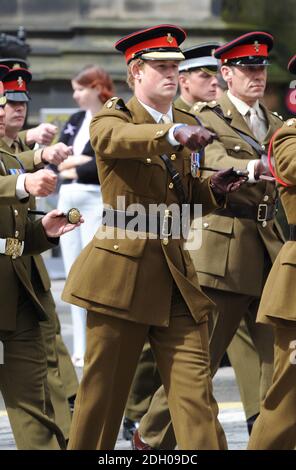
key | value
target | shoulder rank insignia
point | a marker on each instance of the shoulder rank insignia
(197, 107)
(277, 115)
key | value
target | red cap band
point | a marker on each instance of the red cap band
(15, 85)
(246, 50)
(164, 41)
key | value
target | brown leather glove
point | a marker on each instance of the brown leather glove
(226, 181)
(194, 137)
(261, 167)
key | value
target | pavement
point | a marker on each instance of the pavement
(231, 413)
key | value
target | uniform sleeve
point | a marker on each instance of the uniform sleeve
(203, 194)
(36, 240)
(112, 136)
(284, 150)
(8, 191)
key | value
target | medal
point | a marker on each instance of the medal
(195, 164)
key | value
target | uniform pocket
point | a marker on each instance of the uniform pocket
(212, 257)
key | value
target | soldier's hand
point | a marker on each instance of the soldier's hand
(194, 137)
(261, 167)
(57, 153)
(41, 183)
(226, 181)
(42, 134)
(55, 223)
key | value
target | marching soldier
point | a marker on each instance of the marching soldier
(275, 428)
(23, 371)
(16, 109)
(137, 286)
(240, 241)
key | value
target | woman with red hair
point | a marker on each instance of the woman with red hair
(80, 187)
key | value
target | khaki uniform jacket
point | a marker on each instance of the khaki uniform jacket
(232, 254)
(279, 295)
(15, 224)
(180, 104)
(133, 279)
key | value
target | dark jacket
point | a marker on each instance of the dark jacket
(87, 173)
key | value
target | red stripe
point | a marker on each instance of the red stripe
(246, 50)
(150, 44)
(15, 86)
(272, 169)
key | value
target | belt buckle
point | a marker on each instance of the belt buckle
(262, 208)
(13, 247)
(167, 223)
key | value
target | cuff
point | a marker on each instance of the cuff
(170, 135)
(38, 157)
(251, 170)
(20, 187)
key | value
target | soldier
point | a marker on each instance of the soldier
(135, 286)
(197, 83)
(23, 370)
(275, 428)
(242, 238)
(197, 76)
(15, 115)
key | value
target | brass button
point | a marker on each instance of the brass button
(228, 112)
(16, 233)
(165, 241)
(205, 224)
(237, 148)
(171, 185)
(265, 198)
(264, 223)
(159, 133)
(116, 247)
(109, 104)
(15, 212)
(263, 147)
(173, 156)
(148, 160)
(13, 256)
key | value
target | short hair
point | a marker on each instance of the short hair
(130, 78)
(92, 76)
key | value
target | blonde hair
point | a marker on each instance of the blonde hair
(130, 80)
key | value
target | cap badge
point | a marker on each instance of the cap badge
(169, 38)
(20, 82)
(16, 66)
(256, 46)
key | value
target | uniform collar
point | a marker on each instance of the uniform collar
(242, 107)
(156, 114)
(7, 140)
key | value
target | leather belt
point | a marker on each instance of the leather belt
(158, 223)
(11, 247)
(292, 236)
(260, 213)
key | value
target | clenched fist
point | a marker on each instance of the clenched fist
(194, 137)
(57, 153)
(41, 183)
(226, 181)
(42, 134)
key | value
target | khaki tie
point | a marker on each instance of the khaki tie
(165, 119)
(257, 125)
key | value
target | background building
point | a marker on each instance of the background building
(65, 35)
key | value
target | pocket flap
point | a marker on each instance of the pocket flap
(121, 243)
(218, 223)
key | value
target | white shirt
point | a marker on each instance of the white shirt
(82, 136)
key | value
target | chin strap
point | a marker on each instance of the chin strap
(271, 167)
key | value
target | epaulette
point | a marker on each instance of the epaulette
(291, 122)
(116, 103)
(201, 105)
(277, 115)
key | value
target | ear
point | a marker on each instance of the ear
(227, 73)
(137, 71)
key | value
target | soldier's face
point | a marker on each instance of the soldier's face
(199, 85)
(15, 115)
(247, 83)
(157, 81)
